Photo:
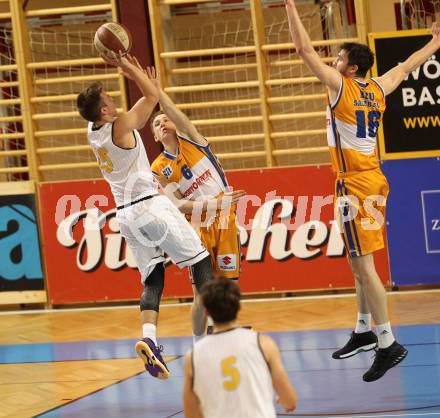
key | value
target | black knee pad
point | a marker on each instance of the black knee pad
(150, 298)
(202, 272)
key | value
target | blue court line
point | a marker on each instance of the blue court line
(80, 350)
(325, 340)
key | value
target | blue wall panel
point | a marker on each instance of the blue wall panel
(413, 220)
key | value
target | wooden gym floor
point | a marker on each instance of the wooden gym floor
(52, 358)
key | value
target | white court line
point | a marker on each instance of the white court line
(173, 305)
(394, 415)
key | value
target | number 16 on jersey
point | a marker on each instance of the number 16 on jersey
(370, 120)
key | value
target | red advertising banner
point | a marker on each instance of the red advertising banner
(289, 239)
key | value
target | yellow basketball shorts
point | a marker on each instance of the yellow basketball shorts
(360, 201)
(221, 239)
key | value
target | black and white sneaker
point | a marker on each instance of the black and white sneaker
(385, 359)
(364, 341)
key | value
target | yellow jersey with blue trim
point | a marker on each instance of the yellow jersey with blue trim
(194, 168)
(353, 120)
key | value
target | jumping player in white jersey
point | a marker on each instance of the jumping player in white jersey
(233, 372)
(149, 222)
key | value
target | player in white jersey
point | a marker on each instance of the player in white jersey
(356, 106)
(233, 372)
(149, 222)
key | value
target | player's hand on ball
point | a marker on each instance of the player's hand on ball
(109, 58)
(126, 62)
(117, 60)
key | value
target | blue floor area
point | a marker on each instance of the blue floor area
(178, 346)
(325, 387)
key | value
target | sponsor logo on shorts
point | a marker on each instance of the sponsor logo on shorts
(227, 262)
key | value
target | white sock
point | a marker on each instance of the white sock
(197, 338)
(363, 323)
(149, 331)
(384, 335)
(210, 322)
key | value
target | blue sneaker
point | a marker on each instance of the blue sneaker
(149, 353)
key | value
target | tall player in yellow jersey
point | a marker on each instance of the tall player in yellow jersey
(356, 106)
(201, 186)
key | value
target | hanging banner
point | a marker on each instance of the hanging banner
(288, 236)
(411, 121)
(21, 272)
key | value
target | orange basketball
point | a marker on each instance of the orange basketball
(112, 37)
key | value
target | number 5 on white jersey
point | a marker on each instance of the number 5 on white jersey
(230, 373)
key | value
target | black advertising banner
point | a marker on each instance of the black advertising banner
(411, 124)
(20, 258)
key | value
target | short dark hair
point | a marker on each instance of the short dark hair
(360, 55)
(89, 102)
(154, 116)
(221, 298)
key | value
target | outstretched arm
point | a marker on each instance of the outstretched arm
(138, 115)
(392, 79)
(328, 75)
(189, 207)
(183, 124)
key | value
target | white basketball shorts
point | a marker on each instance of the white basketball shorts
(155, 227)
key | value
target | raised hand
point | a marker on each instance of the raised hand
(153, 75)
(117, 60)
(126, 62)
(134, 61)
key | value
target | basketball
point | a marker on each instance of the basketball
(112, 37)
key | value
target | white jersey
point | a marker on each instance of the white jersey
(127, 171)
(231, 377)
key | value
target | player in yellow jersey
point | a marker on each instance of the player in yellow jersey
(200, 184)
(356, 106)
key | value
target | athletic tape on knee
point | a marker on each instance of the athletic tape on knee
(150, 298)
